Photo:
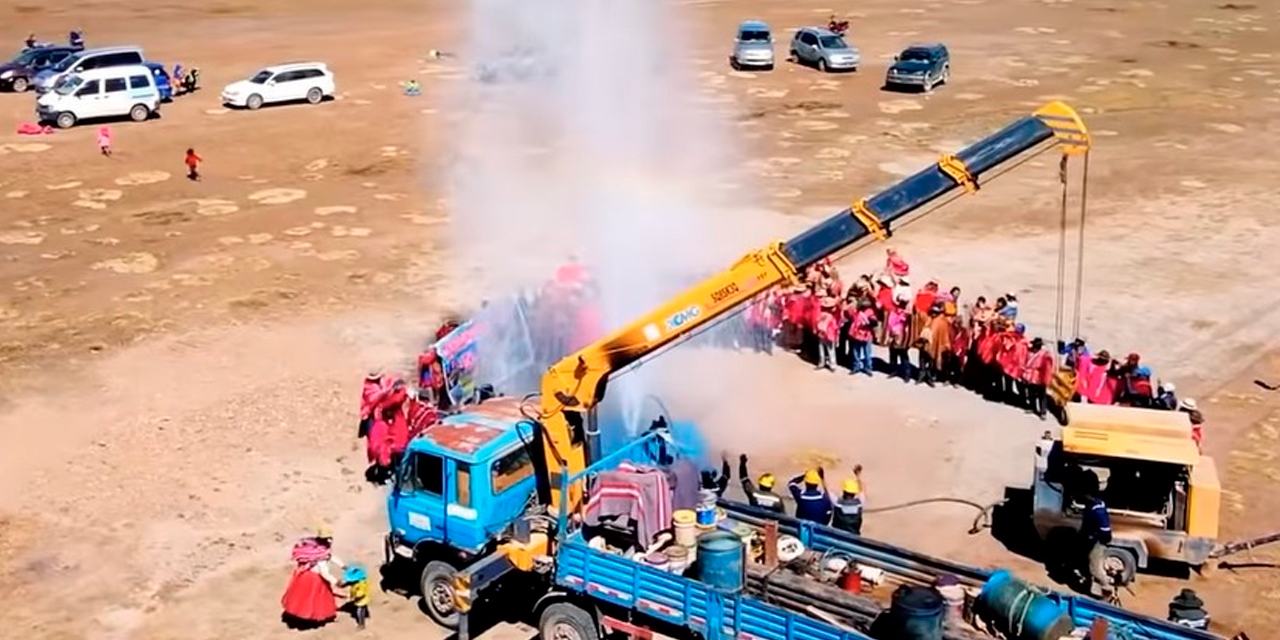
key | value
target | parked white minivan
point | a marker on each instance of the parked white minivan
(101, 93)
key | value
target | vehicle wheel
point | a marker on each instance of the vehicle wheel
(1121, 565)
(822, 65)
(946, 75)
(139, 113)
(437, 593)
(20, 85)
(564, 621)
(315, 95)
(253, 102)
(65, 120)
(793, 56)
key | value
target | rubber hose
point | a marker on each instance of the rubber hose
(980, 522)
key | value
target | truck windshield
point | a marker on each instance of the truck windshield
(510, 469)
(915, 55)
(754, 35)
(833, 42)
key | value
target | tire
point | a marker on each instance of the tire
(20, 85)
(437, 593)
(65, 120)
(822, 65)
(1122, 565)
(139, 113)
(564, 621)
(253, 102)
(315, 95)
(946, 74)
(793, 56)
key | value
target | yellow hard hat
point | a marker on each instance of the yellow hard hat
(851, 486)
(766, 481)
(323, 531)
(811, 477)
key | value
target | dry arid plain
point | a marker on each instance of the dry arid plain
(179, 361)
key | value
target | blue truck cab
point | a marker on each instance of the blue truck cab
(460, 486)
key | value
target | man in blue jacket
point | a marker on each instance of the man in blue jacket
(809, 490)
(1095, 533)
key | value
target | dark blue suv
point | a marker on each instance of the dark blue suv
(920, 65)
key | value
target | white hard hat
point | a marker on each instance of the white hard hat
(1189, 404)
(1168, 386)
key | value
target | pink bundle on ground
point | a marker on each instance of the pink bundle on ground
(33, 129)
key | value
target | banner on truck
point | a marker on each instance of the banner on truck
(493, 348)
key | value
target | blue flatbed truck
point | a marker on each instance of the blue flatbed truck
(475, 497)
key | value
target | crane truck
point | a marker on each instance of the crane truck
(489, 498)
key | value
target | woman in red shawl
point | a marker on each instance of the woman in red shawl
(388, 434)
(1012, 357)
(793, 318)
(308, 600)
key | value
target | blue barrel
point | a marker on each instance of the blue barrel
(917, 613)
(1011, 605)
(721, 561)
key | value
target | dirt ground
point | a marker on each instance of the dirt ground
(180, 360)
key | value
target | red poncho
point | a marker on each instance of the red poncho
(1039, 370)
(884, 298)
(1094, 384)
(1013, 354)
(896, 265)
(828, 329)
(378, 442)
(988, 346)
(371, 394)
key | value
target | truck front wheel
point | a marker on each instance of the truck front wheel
(564, 621)
(437, 594)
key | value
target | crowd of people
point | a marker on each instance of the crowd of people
(979, 345)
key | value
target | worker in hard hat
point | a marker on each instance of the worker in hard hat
(809, 490)
(847, 513)
(760, 493)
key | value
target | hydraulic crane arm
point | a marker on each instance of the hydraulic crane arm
(575, 385)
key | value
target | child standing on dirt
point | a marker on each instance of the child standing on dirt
(104, 140)
(357, 583)
(193, 165)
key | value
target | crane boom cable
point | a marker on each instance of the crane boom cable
(1084, 198)
(1063, 176)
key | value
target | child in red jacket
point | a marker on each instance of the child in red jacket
(193, 165)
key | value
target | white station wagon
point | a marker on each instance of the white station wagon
(310, 81)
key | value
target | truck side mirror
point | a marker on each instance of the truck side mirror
(895, 58)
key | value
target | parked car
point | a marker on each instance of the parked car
(310, 81)
(110, 92)
(753, 47)
(86, 60)
(164, 84)
(920, 65)
(825, 50)
(17, 74)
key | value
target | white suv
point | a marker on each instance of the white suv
(310, 81)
